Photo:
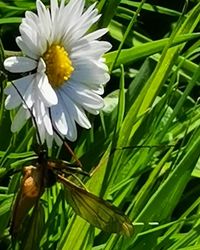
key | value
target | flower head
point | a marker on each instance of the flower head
(65, 69)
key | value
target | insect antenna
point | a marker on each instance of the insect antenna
(32, 184)
(31, 113)
(142, 146)
(67, 146)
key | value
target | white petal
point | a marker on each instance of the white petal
(76, 8)
(46, 119)
(58, 140)
(45, 22)
(25, 49)
(91, 111)
(34, 33)
(29, 96)
(48, 124)
(54, 7)
(47, 93)
(37, 111)
(72, 13)
(20, 119)
(81, 25)
(49, 140)
(14, 99)
(93, 49)
(90, 76)
(59, 119)
(99, 90)
(96, 34)
(36, 29)
(19, 64)
(12, 102)
(71, 131)
(75, 111)
(41, 66)
(31, 18)
(63, 121)
(83, 96)
(42, 132)
(31, 39)
(58, 22)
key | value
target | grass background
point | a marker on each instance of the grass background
(145, 144)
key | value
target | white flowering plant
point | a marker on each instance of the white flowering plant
(108, 91)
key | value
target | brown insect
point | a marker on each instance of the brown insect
(90, 207)
(44, 173)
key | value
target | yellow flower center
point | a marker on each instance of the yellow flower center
(58, 65)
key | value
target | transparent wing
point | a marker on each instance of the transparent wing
(28, 195)
(96, 211)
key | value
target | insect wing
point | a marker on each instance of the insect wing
(29, 193)
(95, 210)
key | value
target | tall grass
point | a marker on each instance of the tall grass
(144, 147)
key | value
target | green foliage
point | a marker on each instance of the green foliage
(143, 150)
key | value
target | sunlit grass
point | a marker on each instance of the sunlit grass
(145, 143)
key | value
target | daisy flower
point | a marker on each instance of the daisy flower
(65, 70)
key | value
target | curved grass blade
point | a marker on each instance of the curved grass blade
(95, 210)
